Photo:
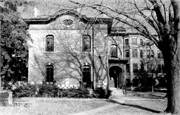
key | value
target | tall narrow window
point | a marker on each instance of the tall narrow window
(86, 43)
(127, 42)
(134, 41)
(141, 54)
(113, 51)
(49, 43)
(150, 53)
(135, 67)
(49, 73)
(127, 53)
(127, 68)
(135, 53)
(141, 42)
(159, 55)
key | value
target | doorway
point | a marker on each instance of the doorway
(115, 76)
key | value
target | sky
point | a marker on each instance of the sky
(49, 7)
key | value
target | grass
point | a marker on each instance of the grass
(68, 106)
(55, 107)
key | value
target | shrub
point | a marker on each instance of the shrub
(51, 90)
(101, 93)
(24, 90)
(47, 90)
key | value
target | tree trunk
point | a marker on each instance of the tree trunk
(172, 65)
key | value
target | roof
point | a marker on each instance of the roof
(83, 18)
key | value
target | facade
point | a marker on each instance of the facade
(70, 49)
(138, 50)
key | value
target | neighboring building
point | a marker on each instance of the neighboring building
(137, 50)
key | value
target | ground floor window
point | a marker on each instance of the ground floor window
(49, 73)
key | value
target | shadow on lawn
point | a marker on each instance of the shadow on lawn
(136, 106)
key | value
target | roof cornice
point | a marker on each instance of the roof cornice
(83, 18)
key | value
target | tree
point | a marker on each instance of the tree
(14, 53)
(149, 17)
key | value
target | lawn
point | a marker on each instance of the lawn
(53, 106)
(80, 106)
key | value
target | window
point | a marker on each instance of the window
(113, 51)
(49, 43)
(141, 53)
(135, 67)
(86, 43)
(150, 53)
(141, 42)
(49, 73)
(135, 53)
(159, 68)
(127, 68)
(127, 53)
(134, 41)
(127, 42)
(159, 55)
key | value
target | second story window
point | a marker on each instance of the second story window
(141, 54)
(49, 43)
(127, 68)
(135, 67)
(127, 53)
(141, 42)
(86, 43)
(134, 41)
(150, 54)
(127, 42)
(135, 53)
(159, 55)
(113, 51)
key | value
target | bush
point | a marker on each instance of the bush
(51, 90)
(24, 90)
(101, 93)
(47, 90)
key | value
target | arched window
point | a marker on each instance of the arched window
(49, 43)
(114, 50)
(49, 73)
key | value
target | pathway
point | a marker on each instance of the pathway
(119, 104)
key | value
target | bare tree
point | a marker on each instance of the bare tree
(149, 17)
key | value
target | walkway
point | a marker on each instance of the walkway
(120, 105)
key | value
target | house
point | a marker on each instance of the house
(66, 43)
(70, 49)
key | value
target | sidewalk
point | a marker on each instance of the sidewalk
(128, 105)
(117, 94)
